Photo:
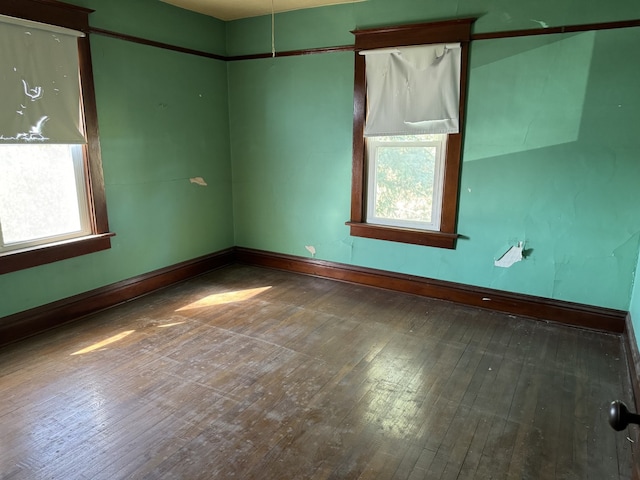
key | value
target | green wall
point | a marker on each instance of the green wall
(331, 26)
(158, 21)
(550, 152)
(163, 119)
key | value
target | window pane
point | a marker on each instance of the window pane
(404, 182)
(39, 192)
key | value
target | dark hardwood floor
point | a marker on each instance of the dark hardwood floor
(258, 374)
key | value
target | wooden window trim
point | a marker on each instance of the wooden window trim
(458, 30)
(52, 252)
(77, 18)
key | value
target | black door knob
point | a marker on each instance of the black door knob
(620, 416)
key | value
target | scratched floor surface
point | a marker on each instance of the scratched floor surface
(257, 374)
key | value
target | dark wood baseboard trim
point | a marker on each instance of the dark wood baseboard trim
(37, 320)
(568, 313)
(633, 360)
(31, 322)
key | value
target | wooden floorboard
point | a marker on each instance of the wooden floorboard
(261, 374)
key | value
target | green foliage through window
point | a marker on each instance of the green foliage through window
(404, 182)
(405, 178)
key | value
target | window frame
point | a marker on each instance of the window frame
(77, 18)
(449, 31)
(75, 156)
(372, 146)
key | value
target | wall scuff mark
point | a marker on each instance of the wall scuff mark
(311, 249)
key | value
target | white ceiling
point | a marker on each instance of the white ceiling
(235, 9)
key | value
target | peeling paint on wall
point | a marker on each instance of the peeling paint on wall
(511, 256)
(311, 249)
(198, 181)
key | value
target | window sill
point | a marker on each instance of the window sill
(404, 235)
(53, 252)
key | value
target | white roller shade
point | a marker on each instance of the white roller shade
(39, 83)
(413, 90)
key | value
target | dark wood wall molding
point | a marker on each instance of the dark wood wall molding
(153, 43)
(568, 313)
(292, 53)
(587, 27)
(351, 48)
(40, 319)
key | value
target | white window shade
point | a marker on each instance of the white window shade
(413, 90)
(39, 83)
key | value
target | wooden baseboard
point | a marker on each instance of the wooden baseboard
(45, 317)
(633, 360)
(37, 320)
(596, 318)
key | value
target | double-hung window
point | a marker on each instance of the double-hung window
(52, 203)
(408, 114)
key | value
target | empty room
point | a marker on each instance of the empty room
(319, 239)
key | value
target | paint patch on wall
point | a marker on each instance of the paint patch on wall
(511, 256)
(541, 23)
(198, 181)
(311, 249)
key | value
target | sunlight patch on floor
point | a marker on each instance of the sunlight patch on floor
(170, 324)
(104, 343)
(222, 298)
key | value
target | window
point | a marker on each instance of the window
(407, 145)
(42, 195)
(405, 180)
(52, 203)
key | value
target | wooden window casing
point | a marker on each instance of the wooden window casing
(77, 18)
(449, 31)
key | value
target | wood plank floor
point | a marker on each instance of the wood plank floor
(258, 374)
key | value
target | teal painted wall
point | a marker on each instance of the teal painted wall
(550, 152)
(163, 119)
(158, 21)
(331, 26)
